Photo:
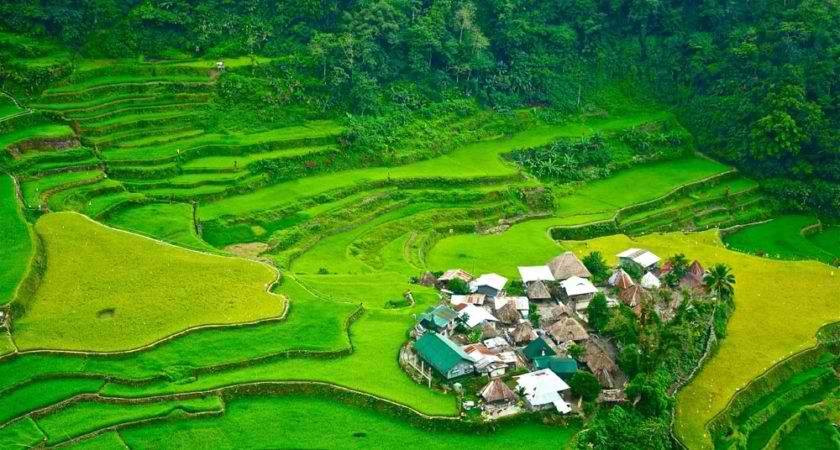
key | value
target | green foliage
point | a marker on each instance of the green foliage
(721, 281)
(597, 266)
(585, 385)
(632, 269)
(576, 351)
(458, 286)
(598, 312)
(515, 288)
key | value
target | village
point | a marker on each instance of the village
(512, 346)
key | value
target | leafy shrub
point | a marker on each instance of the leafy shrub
(585, 385)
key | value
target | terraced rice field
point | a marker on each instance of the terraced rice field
(15, 243)
(783, 238)
(140, 155)
(130, 291)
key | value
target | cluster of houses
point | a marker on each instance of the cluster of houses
(526, 339)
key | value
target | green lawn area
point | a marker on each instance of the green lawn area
(171, 222)
(782, 238)
(772, 320)
(15, 242)
(108, 290)
(46, 393)
(239, 162)
(323, 423)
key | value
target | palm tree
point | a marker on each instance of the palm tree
(720, 280)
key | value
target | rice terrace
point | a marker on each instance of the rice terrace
(420, 224)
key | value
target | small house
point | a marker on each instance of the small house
(489, 284)
(578, 291)
(496, 391)
(496, 343)
(538, 347)
(634, 297)
(523, 333)
(650, 281)
(620, 279)
(554, 314)
(568, 265)
(508, 313)
(645, 260)
(520, 303)
(567, 329)
(440, 319)
(537, 291)
(473, 316)
(564, 367)
(444, 355)
(488, 330)
(602, 366)
(694, 277)
(427, 279)
(542, 389)
(486, 360)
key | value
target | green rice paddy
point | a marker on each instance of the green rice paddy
(15, 242)
(783, 238)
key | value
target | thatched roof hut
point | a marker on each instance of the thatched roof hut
(566, 266)
(428, 279)
(488, 330)
(634, 297)
(620, 279)
(567, 329)
(497, 391)
(508, 313)
(602, 366)
(537, 290)
(523, 333)
(554, 314)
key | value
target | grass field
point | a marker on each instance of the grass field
(782, 238)
(321, 423)
(106, 290)
(15, 242)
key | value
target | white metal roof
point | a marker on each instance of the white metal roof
(492, 280)
(649, 281)
(476, 315)
(496, 342)
(643, 258)
(535, 273)
(541, 387)
(578, 286)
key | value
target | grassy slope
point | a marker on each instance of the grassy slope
(321, 423)
(528, 243)
(782, 238)
(171, 222)
(779, 307)
(152, 288)
(15, 243)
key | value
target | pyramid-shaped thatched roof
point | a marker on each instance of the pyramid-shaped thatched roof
(523, 333)
(621, 279)
(567, 329)
(508, 313)
(537, 290)
(497, 391)
(566, 266)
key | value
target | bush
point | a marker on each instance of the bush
(459, 286)
(585, 385)
(598, 312)
(596, 265)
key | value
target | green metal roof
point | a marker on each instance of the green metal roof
(438, 317)
(538, 347)
(558, 364)
(440, 352)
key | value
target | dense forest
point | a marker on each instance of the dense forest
(756, 81)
